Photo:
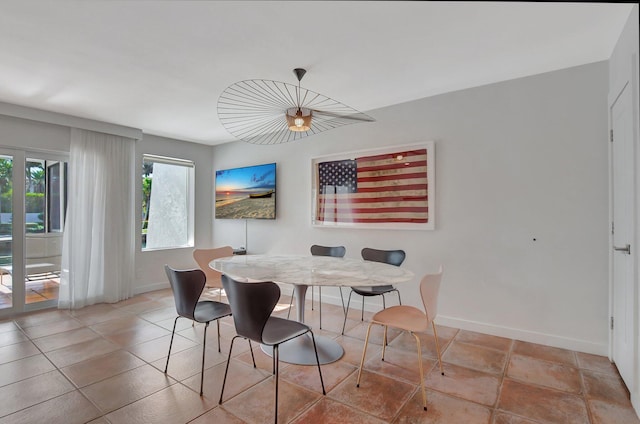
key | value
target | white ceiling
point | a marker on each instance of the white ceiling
(161, 65)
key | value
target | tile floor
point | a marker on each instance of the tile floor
(103, 364)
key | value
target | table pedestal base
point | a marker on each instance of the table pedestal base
(300, 350)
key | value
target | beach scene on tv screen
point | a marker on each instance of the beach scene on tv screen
(245, 193)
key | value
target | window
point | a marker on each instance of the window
(45, 195)
(167, 202)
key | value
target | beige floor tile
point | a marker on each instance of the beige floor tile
(546, 353)
(377, 395)
(142, 306)
(123, 323)
(188, 362)
(486, 340)
(217, 415)
(70, 408)
(596, 363)
(182, 324)
(81, 352)
(12, 337)
(44, 317)
(328, 411)
(54, 327)
(60, 340)
(501, 417)
(160, 314)
(257, 404)
(308, 377)
(442, 409)
(155, 349)
(17, 351)
(100, 313)
(541, 404)
(24, 368)
(605, 387)
(139, 334)
(241, 377)
(612, 413)
(476, 357)
(400, 364)
(353, 349)
(407, 342)
(126, 388)
(32, 391)
(465, 383)
(549, 374)
(175, 404)
(102, 367)
(8, 326)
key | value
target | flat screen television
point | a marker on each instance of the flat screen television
(246, 193)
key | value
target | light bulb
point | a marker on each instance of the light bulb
(299, 122)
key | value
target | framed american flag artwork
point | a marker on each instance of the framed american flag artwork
(386, 188)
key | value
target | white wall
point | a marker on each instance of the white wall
(515, 161)
(33, 135)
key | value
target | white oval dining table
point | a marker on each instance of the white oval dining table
(304, 271)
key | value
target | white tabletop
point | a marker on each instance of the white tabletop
(311, 270)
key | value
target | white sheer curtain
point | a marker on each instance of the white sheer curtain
(99, 239)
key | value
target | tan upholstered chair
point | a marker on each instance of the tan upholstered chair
(413, 320)
(204, 256)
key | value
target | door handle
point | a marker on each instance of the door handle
(626, 249)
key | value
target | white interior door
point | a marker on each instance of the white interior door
(623, 229)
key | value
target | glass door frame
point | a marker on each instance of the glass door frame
(18, 248)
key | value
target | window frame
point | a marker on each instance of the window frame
(190, 165)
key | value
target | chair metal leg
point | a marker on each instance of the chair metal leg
(435, 335)
(315, 348)
(362, 310)
(290, 306)
(218, 324)
(342, 300)
(204, 347)
(424, 392)
(399, 299)
(384, 341)
(384, 305)
(364, 352)
(319, 303)
(312, 298)
(226, 370)
(277, 362)
(346, 312)
(171, 344)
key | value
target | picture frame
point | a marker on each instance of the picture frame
(383, 188)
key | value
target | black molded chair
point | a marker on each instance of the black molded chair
(317, 250)
(252, 305)
(187, 287)
(392, 257)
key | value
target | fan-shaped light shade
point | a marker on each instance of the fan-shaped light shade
(265, 112)
(299, 119)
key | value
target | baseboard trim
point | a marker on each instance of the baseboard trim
(525, 335)
(150, 287)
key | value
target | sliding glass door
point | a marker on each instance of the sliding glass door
(33, 200)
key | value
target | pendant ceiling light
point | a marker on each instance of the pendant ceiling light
(271, 112)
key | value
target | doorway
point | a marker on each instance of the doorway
(624, 307)
(33, 201)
